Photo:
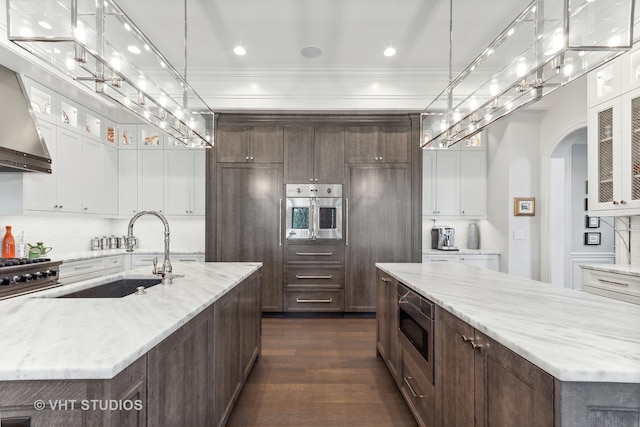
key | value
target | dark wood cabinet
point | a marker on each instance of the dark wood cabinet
(298, 154)
(177, 376)
(253, 144)
(454, 370)
(372, 155)
(377, 227)
(227, 375)
(314, 155)
(250, 324)
(314, 276)
(387, 322)
(249, 227)
(482, 383)
(377, 144)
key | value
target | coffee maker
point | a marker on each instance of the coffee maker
(443, 238)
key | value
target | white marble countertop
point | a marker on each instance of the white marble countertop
(572, 335)
(630, 270)
(84, 338)
(460, 252)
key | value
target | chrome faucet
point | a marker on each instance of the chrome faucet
(165, 269)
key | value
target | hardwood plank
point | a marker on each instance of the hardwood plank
(320, 372)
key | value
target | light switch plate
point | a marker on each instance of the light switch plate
(518, 235)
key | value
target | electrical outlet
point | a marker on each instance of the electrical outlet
(518, 235)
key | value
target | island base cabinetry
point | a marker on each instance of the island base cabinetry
(118, 402)
(192, 378)
(482, 383)
(417, 390)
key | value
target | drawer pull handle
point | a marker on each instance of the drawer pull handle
(466, 339)
(314, 253)
(83, 267)
(312, 301)
(611, 282)
(417, 396)
(302, 276)
(386, 279)
(186, 260)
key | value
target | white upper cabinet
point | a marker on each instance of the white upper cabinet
(614, 156)
(455, 181)
(184, 182)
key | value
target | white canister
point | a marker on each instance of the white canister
(473, 236)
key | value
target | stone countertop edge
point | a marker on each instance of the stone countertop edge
(87, 338)
(630, 270)
(85, 255)
(460, 252)
(572, 335)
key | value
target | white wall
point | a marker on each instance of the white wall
(69, 234)
(514, 172)
(519, 165)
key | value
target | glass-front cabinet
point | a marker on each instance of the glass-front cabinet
(614, 156)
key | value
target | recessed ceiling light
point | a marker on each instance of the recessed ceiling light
(389, 51)
(45, 25)
(133, 49)
(239, 50)
(310, 52)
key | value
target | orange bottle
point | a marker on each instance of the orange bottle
(8, 244)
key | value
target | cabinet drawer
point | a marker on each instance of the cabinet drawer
(314, 276)
(75, 271)
(314, 300)
(314, 254)
(619, 286)
(417, 390)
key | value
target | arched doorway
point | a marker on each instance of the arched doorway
(567, 223)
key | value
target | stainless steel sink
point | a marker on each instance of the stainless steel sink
(117, 289)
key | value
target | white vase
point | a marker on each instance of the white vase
(473, 236)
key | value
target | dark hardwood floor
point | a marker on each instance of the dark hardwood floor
(320, 372)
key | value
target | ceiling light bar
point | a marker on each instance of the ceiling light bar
(547, 46)
(98, 45)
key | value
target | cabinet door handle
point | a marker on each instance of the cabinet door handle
(615, 202)
(386, 279)
(346, 222)
(623, 202)
(280, 222)
(314, 253)
(466, 339)
(312, 301)
(416, 395)
(611, 282)
(302, 276)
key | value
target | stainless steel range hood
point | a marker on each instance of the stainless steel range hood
(22, 148)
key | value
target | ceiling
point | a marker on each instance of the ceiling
(351, 72)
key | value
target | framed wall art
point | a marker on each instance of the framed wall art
(524, 206)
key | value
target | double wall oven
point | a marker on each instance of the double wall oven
(416, 323)
(313, 211)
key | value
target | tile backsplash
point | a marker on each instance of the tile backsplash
(72, 234)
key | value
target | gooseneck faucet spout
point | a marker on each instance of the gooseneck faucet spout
(166, 271)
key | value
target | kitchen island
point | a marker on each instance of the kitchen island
(178, 354)
(513, 351)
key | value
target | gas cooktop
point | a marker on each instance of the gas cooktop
(24, 275)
